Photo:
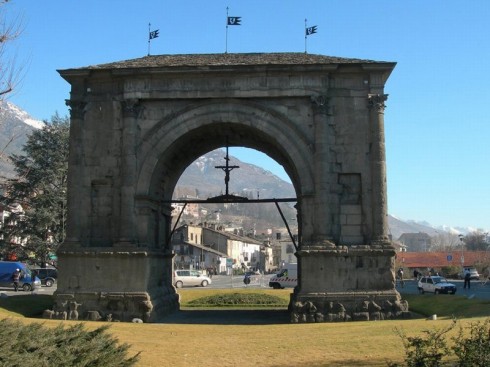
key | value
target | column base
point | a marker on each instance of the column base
(114, 306)
(108, 283)
(346, 283)
(347, 306)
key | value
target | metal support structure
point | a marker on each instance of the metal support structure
(175, 225)
(222, 199)
(287, 226)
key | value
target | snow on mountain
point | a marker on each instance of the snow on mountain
(15, 126)
(21, 115)
(462, 230)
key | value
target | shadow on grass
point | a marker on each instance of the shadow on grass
(31, 305)
(228, 317)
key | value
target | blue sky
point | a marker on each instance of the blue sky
(436, 120)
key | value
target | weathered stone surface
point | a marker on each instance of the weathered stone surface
(137, 124)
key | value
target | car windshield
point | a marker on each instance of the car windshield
(439, 280)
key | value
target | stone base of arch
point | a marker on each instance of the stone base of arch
(114, 284)
(346, 284)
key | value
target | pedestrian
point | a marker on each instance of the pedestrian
(33, 279)
(467, 278)
(400, 276)
(416, 274)
(16, 278)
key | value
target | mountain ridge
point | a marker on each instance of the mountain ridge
(249, 180)
(15, 127)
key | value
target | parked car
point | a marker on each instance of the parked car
(473, 273)
(27, 281)
(435, 284)
(48, 276)
(184, 278)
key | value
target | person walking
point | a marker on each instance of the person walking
(467, 279)
(400, 276)
(16, 278)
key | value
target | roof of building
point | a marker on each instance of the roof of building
(227, 59)
(205, 248)
(229, 235)
(441, 259)
(235, 237)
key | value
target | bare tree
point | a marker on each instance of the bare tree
(9, 69)
(444, 241)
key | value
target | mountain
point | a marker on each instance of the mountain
(248, 180)
(15, 126)
(397, 227)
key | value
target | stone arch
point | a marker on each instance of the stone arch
(244, 124)
(137, 124)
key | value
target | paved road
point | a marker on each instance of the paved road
(43, 290)
(227, 282)
(476, 290)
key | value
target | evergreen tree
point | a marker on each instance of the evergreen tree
(40, 188)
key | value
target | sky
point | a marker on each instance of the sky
(436, 120)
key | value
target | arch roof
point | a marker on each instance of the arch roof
(231, 59)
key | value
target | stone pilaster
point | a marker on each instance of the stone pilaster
(131, 109)
(75, 173)
(322, 205)
(376, 103)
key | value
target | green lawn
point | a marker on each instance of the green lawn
(268, 344)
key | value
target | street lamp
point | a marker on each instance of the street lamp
(462, 249)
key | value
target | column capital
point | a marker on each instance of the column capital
(377, 101)
(131, 107)
(77, 108)
(321, 103)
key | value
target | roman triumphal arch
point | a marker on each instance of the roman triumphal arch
(137, 124)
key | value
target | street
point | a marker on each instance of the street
(477, 289)
(262, 281)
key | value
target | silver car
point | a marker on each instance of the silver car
(183, 278)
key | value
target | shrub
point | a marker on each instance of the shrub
(474, 350)
(471, 351)
(36, 345)
(425, 351)
(451, 271)
(234, 299)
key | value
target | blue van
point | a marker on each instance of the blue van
(27, 282)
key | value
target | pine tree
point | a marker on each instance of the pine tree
(40, 188)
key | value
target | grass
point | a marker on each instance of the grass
(200, 297)
(455, 306)
(273, 344)
(31, 305)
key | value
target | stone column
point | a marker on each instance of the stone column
(322, 204)
(127, 217)
(378, 169)
(75, 174)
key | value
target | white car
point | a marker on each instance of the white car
(183, 278)
(435, 284)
